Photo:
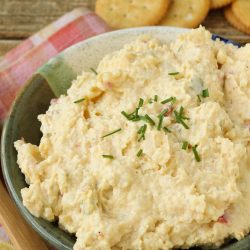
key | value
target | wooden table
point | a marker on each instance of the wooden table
(21, 18)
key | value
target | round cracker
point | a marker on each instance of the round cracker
(188, 13)
(215, 4)
(234, 21)
(241, 10)
(131, 13)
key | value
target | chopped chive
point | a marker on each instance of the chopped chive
(108, 156)
(144, 129)
(160, 122)
(142, 137)
(173, 73)
(184, 124)
(196, 155)
(184, 145)
(181, 111)
(181, 114)
(199, 98)
(150, 100)
(180, 118)
(136, 118)
(156, 98)
(163, 113)
(170, 99)
(93, 70)
(205, 93)
(80, 100)
(174, 100)
(111, 133)
(131, 117)
(141, 101)
(137, 112)
(139, 153)
(125, 114)
(166, 130)
(142, 132)
(149, 120)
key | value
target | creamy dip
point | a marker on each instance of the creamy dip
(152, 152)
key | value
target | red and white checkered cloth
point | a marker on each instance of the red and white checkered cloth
(21, 62)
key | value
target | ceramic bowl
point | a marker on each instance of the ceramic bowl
(53, 79)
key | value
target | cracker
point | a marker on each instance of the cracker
(215, 4)
(131, 13)
(241, 10)
(188, 13)
(234, 21)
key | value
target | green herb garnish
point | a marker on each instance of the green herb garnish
(156, 98)
(142, 131)
(205, 93)
(141, 101)
(196, 155)
(136, 112)
(167, 130)
(170, 99)
(126, 115)
(173, 100)
(180, 118)
(199, 98)
(108, 156)
(94, 71)
(111, 133)
(134, 116)
(148, 119)
(173, 73)
(139, 153)
(150, 100)
(160, 122)
(184, 145)
(163, 112)
(80, 100)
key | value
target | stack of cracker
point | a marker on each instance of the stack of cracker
(238, 15)
(121, 14)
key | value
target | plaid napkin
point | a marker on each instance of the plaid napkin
(21, 62)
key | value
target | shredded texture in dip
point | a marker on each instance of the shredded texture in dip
(152, 152)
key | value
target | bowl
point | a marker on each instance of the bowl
(51, 80)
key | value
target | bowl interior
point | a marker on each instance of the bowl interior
(35, 99)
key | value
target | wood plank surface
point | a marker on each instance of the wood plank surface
(24, 238)
(216, 23)
(21, 18)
